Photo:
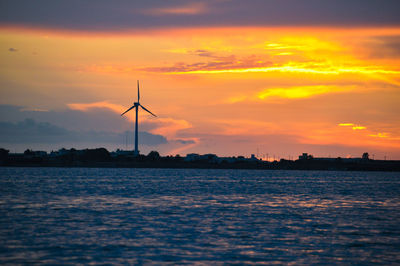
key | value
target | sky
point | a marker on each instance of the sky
(229, 77)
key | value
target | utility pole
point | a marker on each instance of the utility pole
(126, 140)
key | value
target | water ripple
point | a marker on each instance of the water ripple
(159, 216)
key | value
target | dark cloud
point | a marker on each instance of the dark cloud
(29, 131)
(216, 63)
(184, 141)
(99, 119)
(23, 125)
(204, 53)
(104, 15)
(12, 50)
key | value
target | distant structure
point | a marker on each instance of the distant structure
(136, 105)
(305, 156)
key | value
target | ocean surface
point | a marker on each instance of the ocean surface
(190, 216)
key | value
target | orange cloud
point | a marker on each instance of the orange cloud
(236, 99)
(169, 127)
(190, 9)
(104, 104)
(246, 127)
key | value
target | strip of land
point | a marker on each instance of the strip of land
(102, 158)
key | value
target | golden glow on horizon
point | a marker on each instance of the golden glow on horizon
(358, 128)
(353, 126)
(380, 135)
(295, 92)
(303, 44)
(329, 70)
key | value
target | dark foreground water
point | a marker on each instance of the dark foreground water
(176, 216)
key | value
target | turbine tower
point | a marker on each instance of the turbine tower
(136, 105)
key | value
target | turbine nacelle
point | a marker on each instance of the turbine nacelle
(137, 104)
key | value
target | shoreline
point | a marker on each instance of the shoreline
(375, 166)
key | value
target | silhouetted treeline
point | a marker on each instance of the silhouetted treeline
(102, 158)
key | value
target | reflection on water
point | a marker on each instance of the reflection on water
(128, 216)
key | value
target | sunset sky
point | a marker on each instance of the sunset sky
(225, 77)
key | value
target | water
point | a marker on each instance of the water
(190, 216)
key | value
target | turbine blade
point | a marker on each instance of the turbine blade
(128, 110)
(147, 110)
(138, 93)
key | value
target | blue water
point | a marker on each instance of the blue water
(190, 216)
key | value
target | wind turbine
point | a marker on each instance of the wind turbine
(136, 105)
